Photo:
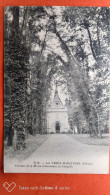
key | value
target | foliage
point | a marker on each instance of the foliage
(44, 44)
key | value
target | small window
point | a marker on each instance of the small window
(56, 103)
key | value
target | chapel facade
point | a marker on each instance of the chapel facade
(57, 116)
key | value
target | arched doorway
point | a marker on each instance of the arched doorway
(57, 127)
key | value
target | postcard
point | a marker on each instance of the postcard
(56, 89)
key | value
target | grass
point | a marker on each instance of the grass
(32, 144)
(86, 139)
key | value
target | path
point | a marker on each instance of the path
(61, 148)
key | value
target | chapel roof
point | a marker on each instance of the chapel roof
(57, 103)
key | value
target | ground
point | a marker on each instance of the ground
(86, 139)
(32, 144)
(64, 148)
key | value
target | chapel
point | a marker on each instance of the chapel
(57, 116)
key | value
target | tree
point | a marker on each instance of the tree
(69, 44)
(16, 56)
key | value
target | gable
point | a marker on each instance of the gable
(57, 101)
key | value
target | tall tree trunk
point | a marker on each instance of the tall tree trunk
(80, 85)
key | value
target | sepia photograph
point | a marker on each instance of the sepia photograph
(56, 89)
